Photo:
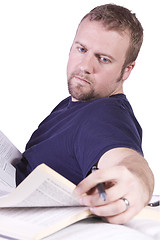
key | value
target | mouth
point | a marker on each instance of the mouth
(81, 79)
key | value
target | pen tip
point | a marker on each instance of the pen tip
(103, 196)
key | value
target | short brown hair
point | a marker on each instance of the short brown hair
(118, 18)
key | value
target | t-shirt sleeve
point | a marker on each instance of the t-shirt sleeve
(111, 127)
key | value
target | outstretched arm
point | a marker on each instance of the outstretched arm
(126, 175)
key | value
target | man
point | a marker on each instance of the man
(96, 124)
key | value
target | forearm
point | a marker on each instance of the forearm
(136, 164)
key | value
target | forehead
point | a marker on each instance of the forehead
(94, 35)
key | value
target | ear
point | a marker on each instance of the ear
(128, 70)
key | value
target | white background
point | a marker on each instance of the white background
(35, 38)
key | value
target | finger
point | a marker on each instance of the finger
(90, 200)
(110, 209)
(118, 212)
(123, 217)
(100, 176)
(113, 193)
(118, 191)
(93, 199)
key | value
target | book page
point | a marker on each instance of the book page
(36, 223)
(43, 187)
(152, 213)
(8, 155)
(146, 226)
(96, 229)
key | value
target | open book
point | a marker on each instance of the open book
(42, 204)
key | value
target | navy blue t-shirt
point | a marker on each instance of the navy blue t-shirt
(76, 134)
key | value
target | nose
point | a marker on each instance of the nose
(87, 64)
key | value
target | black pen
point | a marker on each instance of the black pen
(154, 204)
(100, 187)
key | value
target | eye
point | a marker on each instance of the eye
(82, 50)
(104, 59)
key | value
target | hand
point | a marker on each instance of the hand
(119, 183)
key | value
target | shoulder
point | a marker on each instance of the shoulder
(60, 107)
(111, 113)
(64, 103)
(118, 100)
(114, 105)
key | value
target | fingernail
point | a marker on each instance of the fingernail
(77, 191)
(92, 209)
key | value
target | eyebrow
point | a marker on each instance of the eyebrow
(98, 53)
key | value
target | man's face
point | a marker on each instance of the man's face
(95, 62)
